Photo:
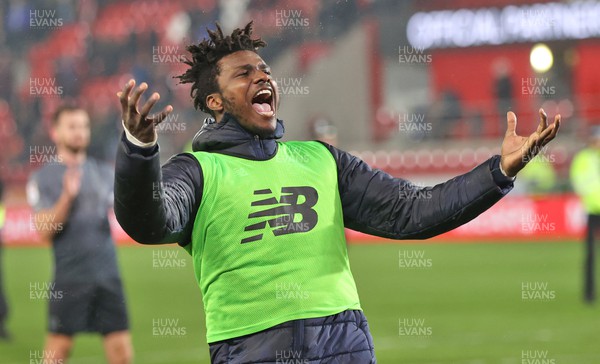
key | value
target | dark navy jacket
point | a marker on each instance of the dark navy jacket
(156, 205)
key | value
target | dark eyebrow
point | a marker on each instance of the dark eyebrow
(249, 67)
(243, 67)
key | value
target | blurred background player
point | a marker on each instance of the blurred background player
(538, 178)
(71, 198)
(585, 176)
(3, 304)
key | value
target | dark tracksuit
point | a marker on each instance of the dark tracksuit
(373, 202)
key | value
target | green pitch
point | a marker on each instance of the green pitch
(426, 303)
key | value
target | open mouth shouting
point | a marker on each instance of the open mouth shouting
(263, 102)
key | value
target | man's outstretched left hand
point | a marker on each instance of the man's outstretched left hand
(517, 150)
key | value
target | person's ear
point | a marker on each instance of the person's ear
(214, 102)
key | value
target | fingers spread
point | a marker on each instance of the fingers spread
(135, 96)
(124, 94)
(149, 104)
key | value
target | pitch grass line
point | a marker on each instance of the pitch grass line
(164, 356)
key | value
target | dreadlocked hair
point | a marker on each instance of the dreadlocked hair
(203, 70)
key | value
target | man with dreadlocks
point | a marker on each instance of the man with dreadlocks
(264, 220)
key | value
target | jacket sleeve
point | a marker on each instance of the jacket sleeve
(154, 204)
(376, 203)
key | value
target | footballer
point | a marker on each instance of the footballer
(259, 216)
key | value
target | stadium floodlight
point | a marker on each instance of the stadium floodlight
(541, 58)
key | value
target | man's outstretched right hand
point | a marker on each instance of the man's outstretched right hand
(138, 122)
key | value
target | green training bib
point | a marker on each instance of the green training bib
(268, 242)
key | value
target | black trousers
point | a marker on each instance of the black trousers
(593, 229)
(337, 339)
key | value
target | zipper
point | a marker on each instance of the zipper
(298, 339)
(260, 147)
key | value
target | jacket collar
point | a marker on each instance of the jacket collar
(229, 137)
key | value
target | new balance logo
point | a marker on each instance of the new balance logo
(292, 214)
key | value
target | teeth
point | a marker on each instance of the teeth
(263, 92)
